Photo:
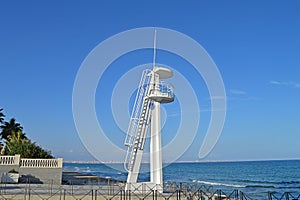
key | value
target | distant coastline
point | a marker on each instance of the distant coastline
(194, 161)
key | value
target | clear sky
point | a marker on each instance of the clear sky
(255, 44)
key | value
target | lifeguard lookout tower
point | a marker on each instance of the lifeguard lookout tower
(152, 91)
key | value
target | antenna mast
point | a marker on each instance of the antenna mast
(154, 49)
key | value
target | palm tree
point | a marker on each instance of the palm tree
(17, 144)
(1, 116)
(8, 128)
(1, 121)
(17, 137)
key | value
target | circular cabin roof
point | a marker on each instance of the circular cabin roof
(163, 72)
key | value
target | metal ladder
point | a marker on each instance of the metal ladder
(139, 121)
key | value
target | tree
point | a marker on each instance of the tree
(16, 144)
(1, 116)
(8, 128)
(1, 149)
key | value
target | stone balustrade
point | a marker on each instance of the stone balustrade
(41, 163)
(41, 170)
(10, 160)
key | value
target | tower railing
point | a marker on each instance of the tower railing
(166, 88)
(162, 93)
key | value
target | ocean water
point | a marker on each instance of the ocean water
(254, 178)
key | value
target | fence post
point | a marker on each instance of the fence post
(51, 187)
(219, 194)
(129, 194)
(236, 194)
(174, 186)
(60, 193)
(29, 191)
(287, 196)
(72, 188)
(1, 189)
(195, 188)
(241, 195)
(269, 195)
(178, 194)
(108, 185)
(25, 192)
(211, 189)
(153, 197)
(29, 194)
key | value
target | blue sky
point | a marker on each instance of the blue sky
(255, 45)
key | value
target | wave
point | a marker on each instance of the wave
(248, 182)
(269, 182)
(260, 186)
(246, 186)
(76, 169)
(292, 187)
(221, 184)
(289, 182)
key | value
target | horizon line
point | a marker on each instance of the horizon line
(187, 161)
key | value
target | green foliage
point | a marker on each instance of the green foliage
(1, 122)
(10, 127)
(1, 116)
(16, 141)
(13, 171)
(23, 146)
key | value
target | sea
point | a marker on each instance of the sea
(254, 178)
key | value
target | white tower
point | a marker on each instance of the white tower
(159, 95)
(146, 112)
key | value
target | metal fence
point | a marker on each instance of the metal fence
(117, 192)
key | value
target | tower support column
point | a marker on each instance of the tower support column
(155, 146)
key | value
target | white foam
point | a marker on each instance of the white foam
(221, 184)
